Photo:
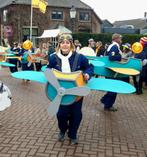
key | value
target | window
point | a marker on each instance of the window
(26, 34)
(26, 31)
(57, 15)
(84, 16)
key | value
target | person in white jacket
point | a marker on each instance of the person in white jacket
(5, 97)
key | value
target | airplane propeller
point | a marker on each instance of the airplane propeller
(31, 58)
(61, 91)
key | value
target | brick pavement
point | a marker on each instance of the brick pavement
(28, 131)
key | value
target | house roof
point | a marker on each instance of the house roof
(55, 32)
(62, 29)
(51, 33)
(59, 3)
(137, 23)
(54, 3)
(107, 23)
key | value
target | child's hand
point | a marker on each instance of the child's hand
(86, 77)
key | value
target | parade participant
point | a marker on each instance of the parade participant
(65, 59)
(91, 44)
(126, 54)
(100, 50)
(77, 45)
(24, 61)
(114, 54)
(143, 40)
(24, 57)
(138, 80)
(126, 51)
(5, 96)
(14, 50)
(51, 49)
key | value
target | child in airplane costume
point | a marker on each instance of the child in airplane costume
(65, 59)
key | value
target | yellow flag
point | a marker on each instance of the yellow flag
(35, 3)
(42, 5)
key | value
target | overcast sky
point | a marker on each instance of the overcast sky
(116, 10)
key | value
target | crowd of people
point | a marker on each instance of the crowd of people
(21, 54)
(117, 52)
(47, 49)
(63, 59)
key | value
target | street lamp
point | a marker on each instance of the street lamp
(3, 22)
(5, 12)
(73, 16)
(145, 16)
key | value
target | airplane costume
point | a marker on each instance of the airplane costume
(69, 117)
(114, 54)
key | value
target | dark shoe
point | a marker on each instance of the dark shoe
(102, 101)
(139, 92)
(73, 141)
(61, 137)
(28, 81)
(113, 109)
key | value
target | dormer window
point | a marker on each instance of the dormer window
(84, 16)
(57, 15)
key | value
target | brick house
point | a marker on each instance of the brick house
(15, 18)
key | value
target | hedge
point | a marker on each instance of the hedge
(105, 37)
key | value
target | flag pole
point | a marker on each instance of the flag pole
(31, 21)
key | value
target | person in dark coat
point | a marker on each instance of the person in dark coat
(14, 50)
(114, 54)
(69, 116)
(51, 49)
(143, 40)
(139, 79)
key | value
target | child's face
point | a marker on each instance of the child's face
(65, 46)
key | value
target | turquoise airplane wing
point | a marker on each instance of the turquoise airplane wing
(7, 54)
(30, 75)
(97, 64)
(110, 85)
(131, 63)
(7, 64)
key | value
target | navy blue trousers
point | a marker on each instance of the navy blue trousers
(26, 67)
(69, 118)
(109, 99)
(13, 69)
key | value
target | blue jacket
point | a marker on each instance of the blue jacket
(113, 52)
(141, 55)
(82, 63)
